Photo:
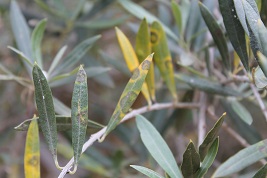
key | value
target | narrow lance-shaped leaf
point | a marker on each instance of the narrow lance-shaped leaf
(36, 39)
(177, 16)
(79, 115)
(234, 30)
(242, 159)
(262, 60)
(210, 137)
(241, 111)
(217, 34)
(32, 152)
(191, 161)
(64, 123)
(143, 49)
(129, 95)
(45, 107)
(157, 147)
(131, 58)
(56, 60)
(262, 172)
(163, 57)
(148, 172)
(210, 157)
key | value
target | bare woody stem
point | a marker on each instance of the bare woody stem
(133, 113)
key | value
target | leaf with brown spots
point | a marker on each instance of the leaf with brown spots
(129, 95)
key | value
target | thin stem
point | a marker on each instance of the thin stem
(133, 113)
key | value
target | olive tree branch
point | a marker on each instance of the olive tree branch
(96, 136)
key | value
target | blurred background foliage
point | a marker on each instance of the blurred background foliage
(69, 23)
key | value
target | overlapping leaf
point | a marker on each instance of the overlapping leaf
(79, 115)
(217, 34)
(45, 107)
(163, 57)
(131, 59)
(157, 147)
(129, 94)
(191, 161)
(148, 172)
(143, 49)
(32, 152)
(242, 159)
(234, 30)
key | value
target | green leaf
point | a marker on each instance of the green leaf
(217, 34)
(61, 108)
(76, 54)
(191, 161)
(259, 78)
(210, 157)
(26, 60)
(141, 13)
(45, 107)
(49, 9)
(62, 76)
(64, 123)
(234, 30)
(262, 36)
(241, 14)
(148, 172)
(32, 152)
(254, 43)
(36, 39)
(157, 147)
(262, 60)
(102, 24)
(242, 159)
(143, 49)
(56, 60)
(163, 57)
(241, 111)
(177, 16)
(210, 137)
(262, 172)
(21, 32)
(129, 95)
(207, 85)
(79, 115)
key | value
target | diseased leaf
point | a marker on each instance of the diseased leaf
(36, 39)
(157, 147)
(163, 57)
(191, 161)
(141, 13)
(148, 172)
(210, 137)
(79, 115)
(217, 34)
(129, 95)
(143, 49)
(234, 30)
(32, 152)
(262, 172)
(207, 85)
(131, 59)
(21, 32)
(242, 159)
(45, 107)
(76, 54)
(210, 157)
(64, 123)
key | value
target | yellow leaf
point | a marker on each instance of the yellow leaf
(131, 58)
(143, 49)
(32, 152)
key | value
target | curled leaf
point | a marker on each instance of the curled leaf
(129, 95)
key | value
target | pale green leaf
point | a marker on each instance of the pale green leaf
(148, 172)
